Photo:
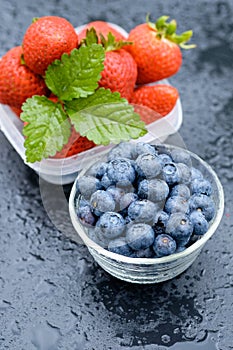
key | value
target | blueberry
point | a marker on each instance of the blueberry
(180, 190)
(184, 172)
(85, 214)
(102, 201)
(122, 150)
(180, 249)
(171, 174)
(148, 165)
(120, 246)
(116, 193)
(142, 147)
(140, 236)
(97, 170)
(142, 211)
(95, 234)
(176, 204)
(162, 149)
(181, 156)
(200, 224)
(111, 224)
(86, 185)
(106, 182)
(180, 228)
(160, 222)
(164, 245)
(155, 190)
(164, 159)
(204, 204)
(121, 172)
(127, 199)
(128, 220)
(144, 253)
(201, 186)
(196, 174)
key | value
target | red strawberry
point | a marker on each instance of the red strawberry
(160, 98)
(75, 145)
(18, 82)
(156, 49)
(120, 69)
(101, 27)
(47, 39)
(120, 73)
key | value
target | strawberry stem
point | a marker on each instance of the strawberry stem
(165, 29)
(22, 60)
(35, 19)
(109, 43)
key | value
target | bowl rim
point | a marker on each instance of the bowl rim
(151, 261)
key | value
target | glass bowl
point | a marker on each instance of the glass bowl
(152, 270)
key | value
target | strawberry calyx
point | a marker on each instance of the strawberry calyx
(22, 60)
(35, 19)
(167, 30)
(109, 43)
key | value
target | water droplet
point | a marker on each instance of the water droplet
(205, 345)
(15, 328)
(166, 339)
(45, 337)
(43, 288)
(4, 304)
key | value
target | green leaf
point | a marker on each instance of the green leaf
(105, 117)
(76, 75)
(48, 129)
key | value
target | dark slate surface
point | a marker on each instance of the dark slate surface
(52, 295)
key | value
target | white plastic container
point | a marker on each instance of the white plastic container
(64, 171)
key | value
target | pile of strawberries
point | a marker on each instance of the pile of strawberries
(150, 53)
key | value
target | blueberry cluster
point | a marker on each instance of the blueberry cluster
(144, 201)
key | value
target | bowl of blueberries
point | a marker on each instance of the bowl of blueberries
(146, 210)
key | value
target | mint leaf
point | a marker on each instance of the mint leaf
(76, 75)
(105, 117)
(48, 129)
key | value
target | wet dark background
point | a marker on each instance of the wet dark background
(52, 295)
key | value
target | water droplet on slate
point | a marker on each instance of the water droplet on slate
(45, 337)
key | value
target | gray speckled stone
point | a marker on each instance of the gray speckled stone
(52, 295)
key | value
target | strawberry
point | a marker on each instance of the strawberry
(75, 145)
(160, 98)
(18, 82)
(120, 73)
(120, 69)
(101, 27)
(156, 49)
(45, 40)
